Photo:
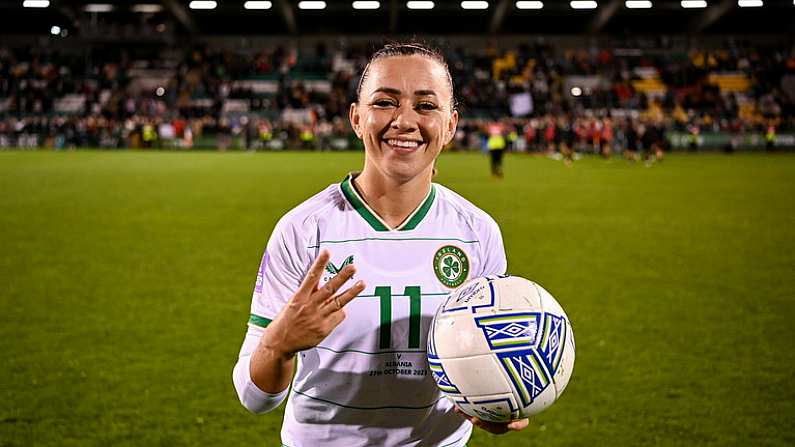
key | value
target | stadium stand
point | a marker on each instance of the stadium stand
(281, 97)
(174, 79)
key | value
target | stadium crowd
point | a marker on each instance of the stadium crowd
(529, 98)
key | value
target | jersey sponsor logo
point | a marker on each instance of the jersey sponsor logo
(451, 266)
(333, 269)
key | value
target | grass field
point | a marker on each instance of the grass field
(125, 280)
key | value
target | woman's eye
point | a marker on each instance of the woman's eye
(426, 106)
(384, 103)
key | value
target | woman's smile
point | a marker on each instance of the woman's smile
(403, 146)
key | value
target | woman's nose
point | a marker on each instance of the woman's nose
(405, 118)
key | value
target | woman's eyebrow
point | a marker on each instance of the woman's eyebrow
(389, 90)
(394, 91)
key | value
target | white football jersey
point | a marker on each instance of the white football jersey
(368, 383)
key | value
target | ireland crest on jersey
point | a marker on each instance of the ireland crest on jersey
(333, 269)
(451, 266)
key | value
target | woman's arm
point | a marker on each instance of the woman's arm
(307, 318)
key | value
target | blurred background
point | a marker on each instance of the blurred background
(684, 75)
(147, 148)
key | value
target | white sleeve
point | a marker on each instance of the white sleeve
(493, 258)
(280, 273)
(254, 399)
(283, 266)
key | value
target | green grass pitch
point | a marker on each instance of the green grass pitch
(125, 280)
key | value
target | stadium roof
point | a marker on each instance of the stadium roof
(393, 17)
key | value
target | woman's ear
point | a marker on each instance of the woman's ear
(353, 116)
(452, 125)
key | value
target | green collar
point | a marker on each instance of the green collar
(378, 224)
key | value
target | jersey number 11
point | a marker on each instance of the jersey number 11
(415, 311)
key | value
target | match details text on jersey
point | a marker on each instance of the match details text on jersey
(399, 368)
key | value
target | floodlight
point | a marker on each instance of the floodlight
(525, 4)
(474, 4)
(36, 3)
(98, 7)
(366, 4)
(311, 4)
(420, 4)
(749, 3)
(147, 8)
(638, 4)
(694, 4)
(258, 5)
(202, 4)
(583, 4)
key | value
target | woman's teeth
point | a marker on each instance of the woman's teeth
(403, 143)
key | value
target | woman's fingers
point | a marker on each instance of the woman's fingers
(348, 295)
(521, 424)
(313, 275)
(494, 427)
(491, 427)
(338, 302)
(332, 285)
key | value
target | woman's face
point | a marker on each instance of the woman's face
(404, 115)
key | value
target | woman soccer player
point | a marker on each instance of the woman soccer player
(361, 376)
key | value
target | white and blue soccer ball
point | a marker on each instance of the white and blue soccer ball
(501, 348)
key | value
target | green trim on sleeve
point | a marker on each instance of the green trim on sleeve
(259, 321)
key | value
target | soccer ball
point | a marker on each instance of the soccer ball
(501, 348)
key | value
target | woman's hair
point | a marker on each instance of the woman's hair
(408, 49)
